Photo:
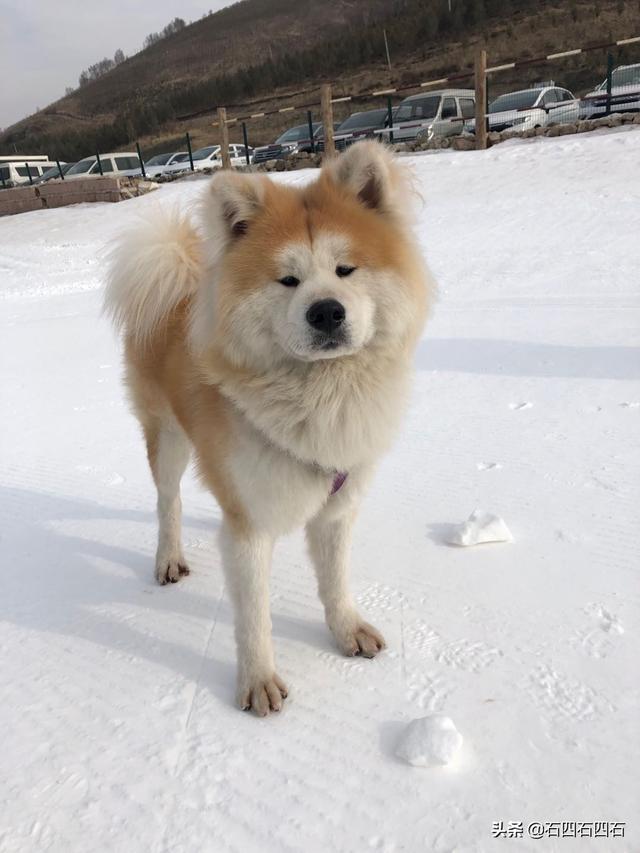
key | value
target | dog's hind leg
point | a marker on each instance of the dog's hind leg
(329, 540)
(168, 450)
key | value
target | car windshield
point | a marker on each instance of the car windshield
(82, 166)
(52, 172)
(158, 160)
(372, 118)
(402, 112)
(295, 134)
(420, 108)
(203, 153)
(515, 101)
(623, 77)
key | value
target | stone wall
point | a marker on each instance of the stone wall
(467, 142)
(60, 193)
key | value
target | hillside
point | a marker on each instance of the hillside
(261, 50)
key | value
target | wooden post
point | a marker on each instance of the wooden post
(327, 120)
(224, 138)
(481, 100)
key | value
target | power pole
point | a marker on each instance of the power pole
(386, 47)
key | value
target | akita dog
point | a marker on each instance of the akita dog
(274, 336)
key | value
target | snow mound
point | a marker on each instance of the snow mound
(479, 528)
(429, 741)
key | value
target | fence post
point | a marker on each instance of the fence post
(224, 137)
(29, 173)
(144, 173)
(390, 118)
(311, 139)
(99, 161)
(60, 172)
(481, 99)
(189, 150)
(245, 139)
(609, 76)
(327, 120)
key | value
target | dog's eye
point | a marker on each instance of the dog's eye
(344, 271)
(290, 281)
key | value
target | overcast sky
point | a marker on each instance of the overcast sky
(45, 44)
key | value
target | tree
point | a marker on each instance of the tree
(173, 27)
(118, 57)
(151, 39)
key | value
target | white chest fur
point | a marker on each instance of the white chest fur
(337, 416)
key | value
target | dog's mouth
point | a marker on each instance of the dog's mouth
(321, 345)
(331, 344)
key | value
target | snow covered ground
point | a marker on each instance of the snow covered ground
(118, 728)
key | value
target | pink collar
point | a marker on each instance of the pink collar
(338, 481)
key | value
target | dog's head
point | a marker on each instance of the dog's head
(310, 273)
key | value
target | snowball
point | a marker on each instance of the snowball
(429, 741)
(480, 527)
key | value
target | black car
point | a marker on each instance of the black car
(292, 141)
(361, 125)
(53, 173)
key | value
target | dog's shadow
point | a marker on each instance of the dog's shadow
(63, 583)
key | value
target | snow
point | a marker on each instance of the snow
(429, 741)
(117, 695)
(480, 527)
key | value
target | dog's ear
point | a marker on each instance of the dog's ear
(368, 170)
(232, 202)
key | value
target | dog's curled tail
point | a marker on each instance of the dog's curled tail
(151, 269)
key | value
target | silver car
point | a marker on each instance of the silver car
(429, 114)
(625, 93)
(528, 109)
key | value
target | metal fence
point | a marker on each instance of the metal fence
(524, 96)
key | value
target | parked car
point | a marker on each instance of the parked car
(361, 125)
(157, 165)
(239, 154)
(53, 172)
(625, 93)
(14, 173)
(292, 141)
(180, 164)
(209, 157)
(120, 163)
(530, 108)
(439, 113)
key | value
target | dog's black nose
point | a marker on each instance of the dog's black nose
(326, 315)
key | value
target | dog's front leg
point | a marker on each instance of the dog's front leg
(247, 564)
(329, 539)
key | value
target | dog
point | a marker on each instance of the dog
(273, 335)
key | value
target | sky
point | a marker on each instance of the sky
(44, 44)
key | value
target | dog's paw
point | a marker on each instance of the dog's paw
(170, 570)
(262, 695)
(360, 639)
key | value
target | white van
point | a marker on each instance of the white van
(436, 113)
(118, 164)
(16, 172)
